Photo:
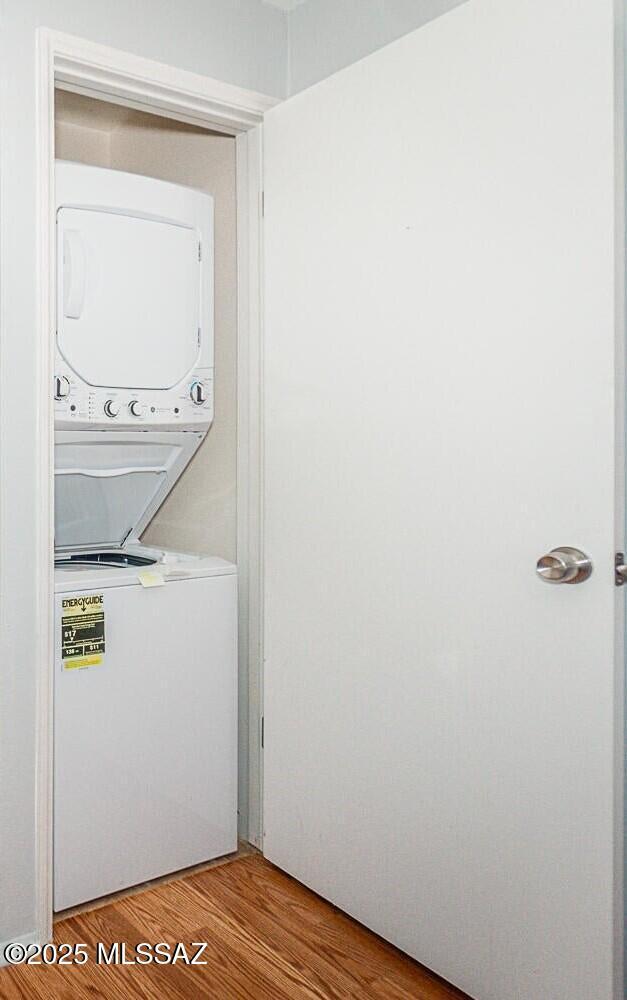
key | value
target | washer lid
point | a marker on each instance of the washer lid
(108, 485)
(128, 298)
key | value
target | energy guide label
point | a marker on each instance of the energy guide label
(82, 631)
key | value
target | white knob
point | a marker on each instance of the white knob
(112, 408)
(197, 393)
(135, 408)
(61, 387)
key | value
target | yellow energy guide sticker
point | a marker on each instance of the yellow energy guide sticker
(82, 631)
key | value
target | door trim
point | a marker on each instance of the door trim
(620, 525)
(88, 68)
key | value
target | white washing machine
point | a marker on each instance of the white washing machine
(145, 671)
(145, 718)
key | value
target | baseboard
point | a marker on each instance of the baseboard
(24, 939)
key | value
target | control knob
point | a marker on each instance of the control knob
(135, 408)
(61, 387)
(112, 408)
(198, 393)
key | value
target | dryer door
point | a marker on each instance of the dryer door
(128, 294)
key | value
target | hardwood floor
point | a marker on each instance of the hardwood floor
(268, 938)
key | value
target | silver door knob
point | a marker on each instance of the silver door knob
(564, 565)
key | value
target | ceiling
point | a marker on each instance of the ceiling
(284, 4)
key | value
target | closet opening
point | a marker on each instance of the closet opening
(148, 519)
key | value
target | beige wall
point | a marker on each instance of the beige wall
(200, 513)
(84, 145)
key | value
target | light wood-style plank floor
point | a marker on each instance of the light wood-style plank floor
(268, 938)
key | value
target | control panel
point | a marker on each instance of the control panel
(187, 406)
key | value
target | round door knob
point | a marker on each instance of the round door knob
(61, 387)
(135, 408)
(197, 393)
(564, 565)
(112, 408)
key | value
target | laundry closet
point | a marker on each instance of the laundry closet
(145, 389)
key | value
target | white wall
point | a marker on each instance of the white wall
(239, 41)
(325, 35)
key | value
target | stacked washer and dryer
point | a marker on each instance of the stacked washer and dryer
(145, 671)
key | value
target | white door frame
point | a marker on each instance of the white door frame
(99, 71)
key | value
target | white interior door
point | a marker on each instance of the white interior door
(440, 725)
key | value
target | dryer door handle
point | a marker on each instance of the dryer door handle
(73, 274)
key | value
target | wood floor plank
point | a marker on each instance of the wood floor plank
(309, 919)
(222, 928)
(268, 938)
(329, 963)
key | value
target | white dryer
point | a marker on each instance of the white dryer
(134, 330)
